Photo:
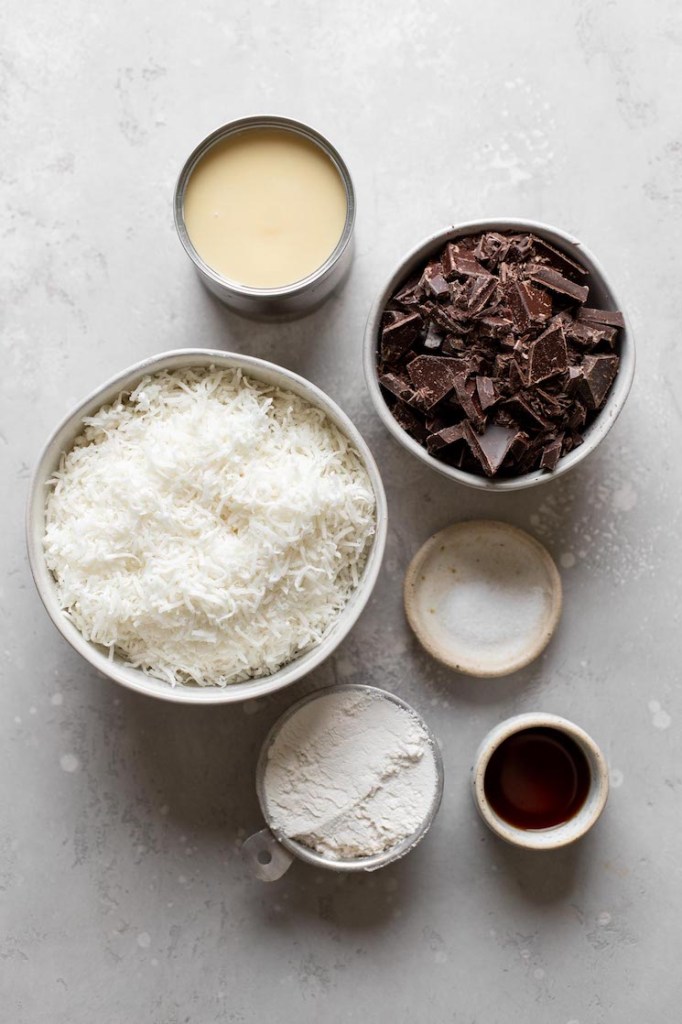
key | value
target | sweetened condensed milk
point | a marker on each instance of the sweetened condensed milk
(265, 208)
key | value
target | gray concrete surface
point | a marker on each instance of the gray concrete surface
(122, 894)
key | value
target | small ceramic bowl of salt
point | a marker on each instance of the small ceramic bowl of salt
(483, 597)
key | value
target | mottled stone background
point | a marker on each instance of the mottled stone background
(122, 894)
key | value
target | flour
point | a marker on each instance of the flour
(350, 774)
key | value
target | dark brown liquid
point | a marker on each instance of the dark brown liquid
(537, 778)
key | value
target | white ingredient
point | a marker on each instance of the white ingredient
(484, 597)
(208, 527)
(350, 775)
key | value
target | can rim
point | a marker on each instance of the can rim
(244, 124)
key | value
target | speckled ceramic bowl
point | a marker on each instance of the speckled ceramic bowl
(602, 294)
(117, 668)
(496, 567)
(558, 835)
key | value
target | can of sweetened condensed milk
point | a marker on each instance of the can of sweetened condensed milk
(265, 209)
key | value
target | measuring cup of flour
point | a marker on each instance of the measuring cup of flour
(350, 778)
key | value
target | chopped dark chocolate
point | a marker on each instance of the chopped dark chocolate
(460, 262)
(396, 385)
(516, 376)
(528, 305)
(410, 421)
(445, 437)
(433, 339)
(588, 335)
(478, 293)
(556, 282)
(521, 410)
(609, 317)
(547, 356)
(598, 376)
(432, 377)
(488, 358)
(466, 395)
(559, 260)
(487, 392)
(396, 338)
(492, 447)
(551, 453)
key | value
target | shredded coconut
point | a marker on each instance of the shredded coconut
(350, 775)
(207, 527)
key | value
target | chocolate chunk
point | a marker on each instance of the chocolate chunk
(445, 438)
(396, 338)
(467, 398)
(523, 412)
(575, 375)
(487, 392)
(447, 318)
(517, 378)
(478, 293)
(396, 385)
(453, 346)
(609, 317)
(388, 317)
(491, 447)
(492, 248)
(437, 286)
(457, 261)
(577, 417)
(553, 280)
(557, 259)
(520, 248)
(551, 453)
(410, 421)
(433, 338)
(598, 376)
(432, 378)
(588, 335)
(410, 294)
(527, 304)
(547, 356)
(519, 446)
(494, 326)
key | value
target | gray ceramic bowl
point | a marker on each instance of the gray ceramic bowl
(118, 669)
(602, 294)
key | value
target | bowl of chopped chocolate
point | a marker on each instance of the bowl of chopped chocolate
(499, 354)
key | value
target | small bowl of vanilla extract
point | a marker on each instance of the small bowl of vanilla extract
(539, 781)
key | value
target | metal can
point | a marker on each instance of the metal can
(290, 301)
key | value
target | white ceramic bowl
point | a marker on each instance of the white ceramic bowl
(118, 669)
(602, 294)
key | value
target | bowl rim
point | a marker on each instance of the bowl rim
(616, 397)
(62, 437)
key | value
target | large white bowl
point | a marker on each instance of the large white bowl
(118, 669)
(602, 294)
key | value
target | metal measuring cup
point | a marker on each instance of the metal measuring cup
(269, 853)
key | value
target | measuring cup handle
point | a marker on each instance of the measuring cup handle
(265, 857)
